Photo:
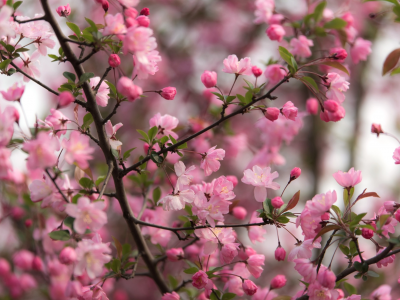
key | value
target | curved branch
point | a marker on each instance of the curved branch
(27, 21)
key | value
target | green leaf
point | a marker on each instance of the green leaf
(126, 251)
(115, 265)
(115, 153)
(241, 98)
(230, 98)
(69, 76)
(10, 48)
(172, 139)
(4, 64)
(311, 82)
(357, 219)
(336, 23)
(112, 87)
(152, 133)
(188, 209)
(248, 97)
(86, 183)
(156, 158)
(118, 246)
(318, 11)
(87, 120)
(156, 194)
(69, 221)
(174, 282)
(127, 154)
(286, 55)
(163, 140)
(250, 85)
(85, 77)
(92, 24)
(353, 248)
(99, 180)
(183, 146)
(326, 229)
(74, 28)
(294, 64)
(17, 4)
(22, 50)
(228, 296)
(60, 235)
(283, 219)
(344, 249)
(215, 297)
(382, 220)
(351, 290)
(191, 270)
(372, 274)
(347, 196)
(358, 266)
(220, 97)
(395, 71)
(144, 135)
(75, 198)
(336, 210)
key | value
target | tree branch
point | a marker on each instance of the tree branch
(112, 113)
(94, 51)
(56, 185)
(102, 79)
(110, 168)
(27, 21)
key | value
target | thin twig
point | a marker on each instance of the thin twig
(94, 51)
(56, 185)
(27, 21)
(102, 79)
(108, 176)
(112, 113)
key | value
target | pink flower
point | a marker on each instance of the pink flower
(145, 63)
(264, 11)
(115, 25)
(214, 237)
(114, 61)
(210, 161)
(306, 269)
(126, 87)
(280, 254)
(105, 5)
(338, 54)
(168, 93)
(249, 287)
(312, 106)
(264, 294)
(279, 281)
(171, 296)
(228, 253)
(165, 125)
(261, 178)
(396, 156)
(234, 66)
(73, 289)
(145, 11)
(360, 50)
(295, 173)
(44, 190)
(254, 264)
(336, 116)
(382, 293)
(139, 39)
(65, 98)
(131, 12)
(184, 175)
(42, 151)
(67, 256)
(331, 106)
(289, 110)
(386, 261)
(14, 93)
(239, 212)
(23, 259)
(5, 25)
(7, 119)
(272, 113)
(348, 179)
(209, 79)
(94, 292)
(174, 254)
(77, 149)
(210, 209)
(199, 279)
(256, 71)
(275, 32)
(326, 278)
(176, 201)
(275, 73)
(37, 264)
(143, 21)
(223, 188)
(58, 122)
(376, 128)
(5, 268)
(102, 93)
(317, 292)
(29, 64)
(301, 46)
(234, 283)
(337, 85)
(256, 233)
(64, 11)
(88, 215)
(91, 255)
(277, 202)
(367, 233)
(5, 163)
(111, 131)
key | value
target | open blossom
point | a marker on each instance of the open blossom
(301, 46)
(212, 209)
(145, 63)
(289, 110)
(7, 119)
(77, 149)
(176, 201)
(45, 191)
(126, 87)
(14, 93)
(42, 151)
(276, 32)
(102, 93)
(184, 175)
(337, 85)
(200, 279)
(91, 255)
(115, 25)
(360, 50)
(255, 263)
(396, 156)
(386, 261)
(57, 121)
(165, 124)
(326, 277)
(275, 73)
(261, 178)
(333, 116)
(29, 64)
(234, 66)
(210, 161)
(382, 293)
(223, 188)
(228, 252)
(64, 11)
(5, 25)
(88, 215)
(111, 131)
(214, 237)
(318, 292)
(264, 11)
(348, 179)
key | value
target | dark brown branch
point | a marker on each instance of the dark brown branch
(102, 79)
(91, 137)
(185, 282)
(56, 185)
(321, 256)
(112, 113)
(77, 42)
(110, 168)
(27, 21)
(94, 51)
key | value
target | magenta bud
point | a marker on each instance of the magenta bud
(168, 93)
(280, 254)
(65, 98)
(67, 256)
(325, 217)
(105, 5)
(174, 254)
(130, 12)
(143, 21)
(209, 79)
(277, 202)
(37, 264)
(63, 11)
(295, 173)
(249, 287)
(256, 71)
(5, 268)
(367, 233)
(239, 212)
(279, 281)
(312, 106)
(145, 11)
(232, 179)
(114, 60)
(28, 223)
(376, 128)
(272, 113)
(331, 106)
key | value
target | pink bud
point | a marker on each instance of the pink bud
(114, 60)
(256, 71)
(175, 254)
(67, 256)
(200, 279)
(276, 19)
(289, 111)
(279, 281)
(277, 202)
(327, 278)
(331, 106)
(338, 54)
(171, 296)
(130, 22)
(23, 259)
(122, 295)
(228, 253)
(295, 173)
(376, 128)
(27, 282)
(397, 215)
(390, 206)
(209, 79)
(65, 98)
(146, 147)
(312, 106)
(63, 11)
(192, 250)
(126, 87)
(73, 289)
(37, 264)
(130, 12)
(5, 268)
(105, 5)
(232, 179)
(367, 233)
(272, 113)
(275, 32)
(280, 254)
(143, 21)
(55, 267)
(17, 212)
(28, 223)
(249, 287)
(168, 93)
(239, 212)
(145, 11)
(325, 217)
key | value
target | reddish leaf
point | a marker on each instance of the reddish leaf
(293, 202)
(118, 246)
(391, 61)
(366, 195)
(326, 229)
(334, 64)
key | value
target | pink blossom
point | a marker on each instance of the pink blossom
(382, 293)
(77, 149)
(209, 79)
(168, 93)
(114, 61)
(145, 63)
(44, 190)
(261, 178)
(143, 21)
(93, 292)
(65, 98)
(67, 256)
(215, 236)
(5, 163)
(176, 201)
(111, 131)
(360, 50)
(131, 12)
(331, 106)
(139, 39)
(88, 215)
(249, 287)
(272, 113)
(73, 289)
(126, 87)
(321, 203)
(254, 264)
(337, 85)
(234, 66)
(303, 249)
(239, 212)
(289, 111)
(30, 65)
(23, 259)
(64, 11)
(256, 233)
(91, 256)
(212, 209)
(280, 254)
(228, 253)
(171, 296)
(348, 179)
(223, 188)
(27, 282)
(295, 173)
(367, 233)
(317, 292)
(396, 156)
(264, 294)
(264, 11)
(200, 279)
(57, 121)
(165, 124)
(174, 254)
(326, 278)
(306, 269)
(279, 281)
(336, 116)
(115, 25)
(232, 179)
(14, 93)
(277, 202)
(275, 73)
(184, 175)
(102, 93)
(376, 128)
(5, 24)
(7, 119)
(338, 53)
(234, 283)
(301, 46)
(275, 32)
(386, 261)
(5, 268)
(210, 161)
(42, 151)
(312, 106)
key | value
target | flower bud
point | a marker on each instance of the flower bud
(65, 98)
(171, 296)
(277, 202)
(105, 5)
(63, 11)
(272, 113)
(126, 87)
(279, 281)
(275, 32)
(312, 106)
(327, 278)
(168, 93)
(228, 253)
(256, 71)
(341, 294)
(232, 179)
(276, 19)
(289, 111)
(114, 60)
(367, 233)
(338, 54)
(130, 12)
(67, 256)
(145, 12)
(209, 79)
(249, 287)
(5, 268)
(17, 212)
(295, 173)
(28, 223)
(280, 254)
(239, 212)
(27, 282)
(143, 21)
(390, 206)
(199, 279)
(37, 264)
(376, 128)
(331, 106)
(325, 217)
(23, 259)
(73, 289)
(397, 215)
(175, 254)
(130, 22)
